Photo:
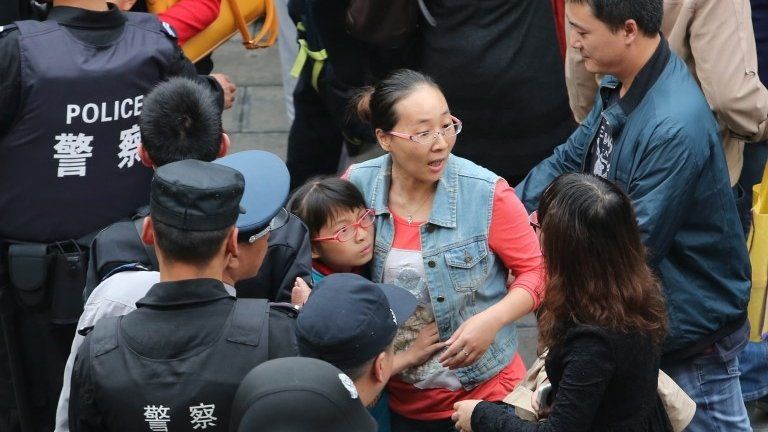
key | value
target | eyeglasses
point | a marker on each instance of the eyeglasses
(348, 232)
(429, 138)
(533, 218)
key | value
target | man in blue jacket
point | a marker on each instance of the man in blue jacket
(652, 132)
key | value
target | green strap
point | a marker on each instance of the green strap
(318, 58)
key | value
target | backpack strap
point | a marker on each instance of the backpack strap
(104, 336)
(250, 325)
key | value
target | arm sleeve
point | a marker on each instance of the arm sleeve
(588, 368)
(83, 414)
(662, 190)
(10, 84)
(190, 17)
(567, 157)
(181, 66)
(722, 43)
(512, 239)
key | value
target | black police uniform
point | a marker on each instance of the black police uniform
(119, 248)
(70, 94)
(176, 361)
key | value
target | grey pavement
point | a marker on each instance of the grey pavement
(258, 120)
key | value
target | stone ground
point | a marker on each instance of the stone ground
(259, 121)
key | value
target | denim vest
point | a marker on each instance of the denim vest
(463, 276)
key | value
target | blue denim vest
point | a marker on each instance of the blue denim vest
(463, 276)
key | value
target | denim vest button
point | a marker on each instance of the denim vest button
(440, 299)
(431, 264)
(430, 228)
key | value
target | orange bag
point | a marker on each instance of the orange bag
(234, 16)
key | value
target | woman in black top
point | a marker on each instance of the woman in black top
(603, 318)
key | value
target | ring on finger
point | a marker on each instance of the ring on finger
(466, 354)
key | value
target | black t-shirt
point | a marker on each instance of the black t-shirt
(601, 148)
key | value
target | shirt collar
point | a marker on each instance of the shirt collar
(185, 292)
(647, 77)
(84, 18)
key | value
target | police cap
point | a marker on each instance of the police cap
(266, 190)
(196, 196)
(349, 320)
(296, 394)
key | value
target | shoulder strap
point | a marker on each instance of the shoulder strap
(28, 27)
(250, 324)
(104, 336)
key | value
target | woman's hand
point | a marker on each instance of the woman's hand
(426, 344)
(462, 415)
(470, 341)
(300, 292)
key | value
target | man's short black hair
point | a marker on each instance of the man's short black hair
(191, 247)
(614, 13)
(180, 120)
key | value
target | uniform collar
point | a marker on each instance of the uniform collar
(84, 18)
(185, 292)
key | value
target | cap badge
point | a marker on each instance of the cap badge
(349, 385)
(394, 318)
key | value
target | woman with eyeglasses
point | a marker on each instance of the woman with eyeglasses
(603, 319)
(450, 232)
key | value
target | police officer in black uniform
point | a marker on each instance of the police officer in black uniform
(71, 91)
(176, 362)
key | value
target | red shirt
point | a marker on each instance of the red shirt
(512, 239)
(190, 17)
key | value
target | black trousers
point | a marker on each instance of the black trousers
(39, 349)
(315, 139)
(405, 424)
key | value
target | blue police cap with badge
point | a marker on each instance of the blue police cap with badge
(267, 184)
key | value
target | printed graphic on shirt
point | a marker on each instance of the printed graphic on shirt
(129, 146)
(602, 150)
(157, 417)
(202, 416)
(73, 149)
(405, 268)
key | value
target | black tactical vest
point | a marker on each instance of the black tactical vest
(69, 166)
(135, 393)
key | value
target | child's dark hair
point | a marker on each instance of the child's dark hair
(320, 199)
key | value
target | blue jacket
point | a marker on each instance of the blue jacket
(668, 157)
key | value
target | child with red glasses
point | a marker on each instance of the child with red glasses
(342, 237)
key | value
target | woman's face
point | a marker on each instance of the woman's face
(424, 110)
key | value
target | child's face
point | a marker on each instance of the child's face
(343, 256)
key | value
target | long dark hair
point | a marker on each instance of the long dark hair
(596, 263)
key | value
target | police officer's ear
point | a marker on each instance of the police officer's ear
(144, 156)
(381, 370)
(231, 246)
(225, 144)
(148, 232)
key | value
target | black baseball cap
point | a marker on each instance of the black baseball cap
(349, 320)
(194, 195)
(297, 394)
